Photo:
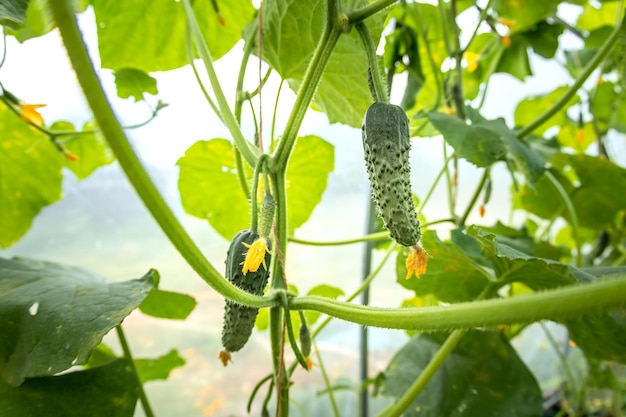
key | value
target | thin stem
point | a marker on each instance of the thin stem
(273, 134)
(556, 304)
(191, 59)
(134, 170)
(442, 171)
(569, 205)
(329, 388)
(472, 203)
(449, 179)
(143, 398)
(240, 97)
(571, 92)
(247, 151)
(370, 48)
(371, 9)
(397, 408)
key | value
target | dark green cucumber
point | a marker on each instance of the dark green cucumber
(239, 319)
(386, 144)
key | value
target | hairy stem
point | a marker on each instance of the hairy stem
(370, 48)
(371, 9)
(134, 170)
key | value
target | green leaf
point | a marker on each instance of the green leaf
(52, 316)
(313, 159)
(576, 137)
(106, 391)
(543, 38)
(38, 19)
(601, 336)
(30, 177)
(90, 148)
(530, 108)
(483, 376)
(451, 275)
(134, 83)
(524, 13)
(514, 59)
(150, 35)
(485, 142)
(593, 17)
(167, 304)
(159, 368)
(322, 290)
(576, 60)
(209, 188)
(291, 29)
(13, 13)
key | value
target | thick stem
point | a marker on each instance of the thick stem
(371, 9)
(143, 398)
(134, 170)
(556, 304)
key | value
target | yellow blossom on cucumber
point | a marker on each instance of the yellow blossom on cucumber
(255, 255)
(30, 113)
(416, 261)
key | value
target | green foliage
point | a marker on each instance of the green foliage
(159, 368)
(483, 376)
(13, 13)
(107, 391)
(37, 20)
(167, 305)
(134, 83)
(79, 307)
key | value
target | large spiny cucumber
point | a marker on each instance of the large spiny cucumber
(386, 144)
(238, 319)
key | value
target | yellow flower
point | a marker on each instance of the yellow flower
(506, 22)
(416, 261)
(255, 255)
(472, 59)
(506, 41)
(30, 114)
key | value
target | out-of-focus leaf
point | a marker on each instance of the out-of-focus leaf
(601, 336)
(593, 17)
(13, 13)
(451, 275)
(159, 368)
(209, 188)
(134, 83)
(30, 177)
(52, 316)
(107, 391)
(485, 142)
(90, 149)
(313, 159)
(577, 59)
(38, 19)
(543, 38)
(291, 29)
(167, 305)
(577, 137)
(482, 376)
(514, 59)
(528, 109)
(322, 290)
(150, 35)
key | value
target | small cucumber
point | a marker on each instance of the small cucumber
(386, 144)
(238, 319)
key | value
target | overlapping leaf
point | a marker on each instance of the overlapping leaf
(159, 368)
(167, 304)
(52, 316)
(131, 82)
(483, 376)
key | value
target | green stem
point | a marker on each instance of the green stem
(556, 304)
(370, 48)
(571, 92)
(249, 43)
(329, 388)
(247, 150)
(143, 398)
(472, 203)
(292, 337)
(371, 9)
(397, 408)
(134, 170)
(572, 213)
(446, 168)
(191, 59)
(258, 171)
(310, 82)
(442, 171)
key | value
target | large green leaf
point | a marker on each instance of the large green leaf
(167, 304)
(483, 376)
(594, 17)
(209, 188)
(524, 13)
(159, 368)
(514, 59)
(485, 142)
(149, 35)
(451, 275)
(13, 12)
(530, 108)
(593, 191)
(313, 159)
(107, 391)
(291, 30)
(30, 176)
(38, 19)
(89, 147)
(601, 336)
(52, 316)
(543, 38)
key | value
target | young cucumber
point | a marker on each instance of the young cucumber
(386, 144)
(238, 319)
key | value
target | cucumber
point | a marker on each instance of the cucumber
(238, 319)
(386, 145)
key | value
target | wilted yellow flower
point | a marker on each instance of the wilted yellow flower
(255, 255)
(506, 22)
(416, 261)
(30, 114)
(472, 59)
(506, 41)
